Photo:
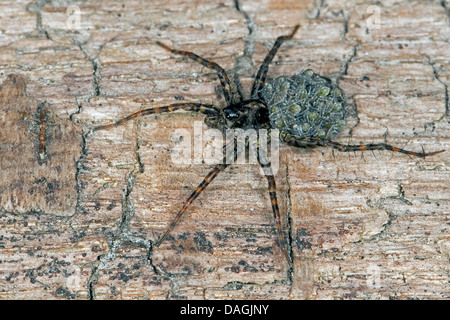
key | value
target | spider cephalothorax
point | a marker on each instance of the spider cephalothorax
(306, 108)
(250, 114)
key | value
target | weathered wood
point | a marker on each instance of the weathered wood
(80, 222)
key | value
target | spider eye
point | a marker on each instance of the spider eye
(231, 114)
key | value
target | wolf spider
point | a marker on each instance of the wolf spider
(307, 109)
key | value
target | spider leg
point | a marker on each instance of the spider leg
(378, 146)
(202, 186)
(260, 78)
(305, 142)
(209, 110)
(231, 95)
(276, 211)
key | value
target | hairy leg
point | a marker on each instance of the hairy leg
(195, 107)
(231, 95)
(260, 78)
(306, 142)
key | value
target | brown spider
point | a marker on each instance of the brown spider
(307, 109)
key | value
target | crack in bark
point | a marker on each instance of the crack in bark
(343, 72)
(80, 169)
(96, 65)
(345, 63)
(250, 38)
(123, 236)
(446, 97)
(244, 64)
(96, 77)
(390, 216)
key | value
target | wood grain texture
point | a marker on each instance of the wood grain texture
(82, 223)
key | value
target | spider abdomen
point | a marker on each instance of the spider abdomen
(305, 105)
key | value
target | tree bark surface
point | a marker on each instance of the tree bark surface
(80, 211)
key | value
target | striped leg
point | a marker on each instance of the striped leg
(378, 146)
(276, 211)
(302, 142)
(231, 95)
(260, 78)
(202, 186)
(195, 107)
